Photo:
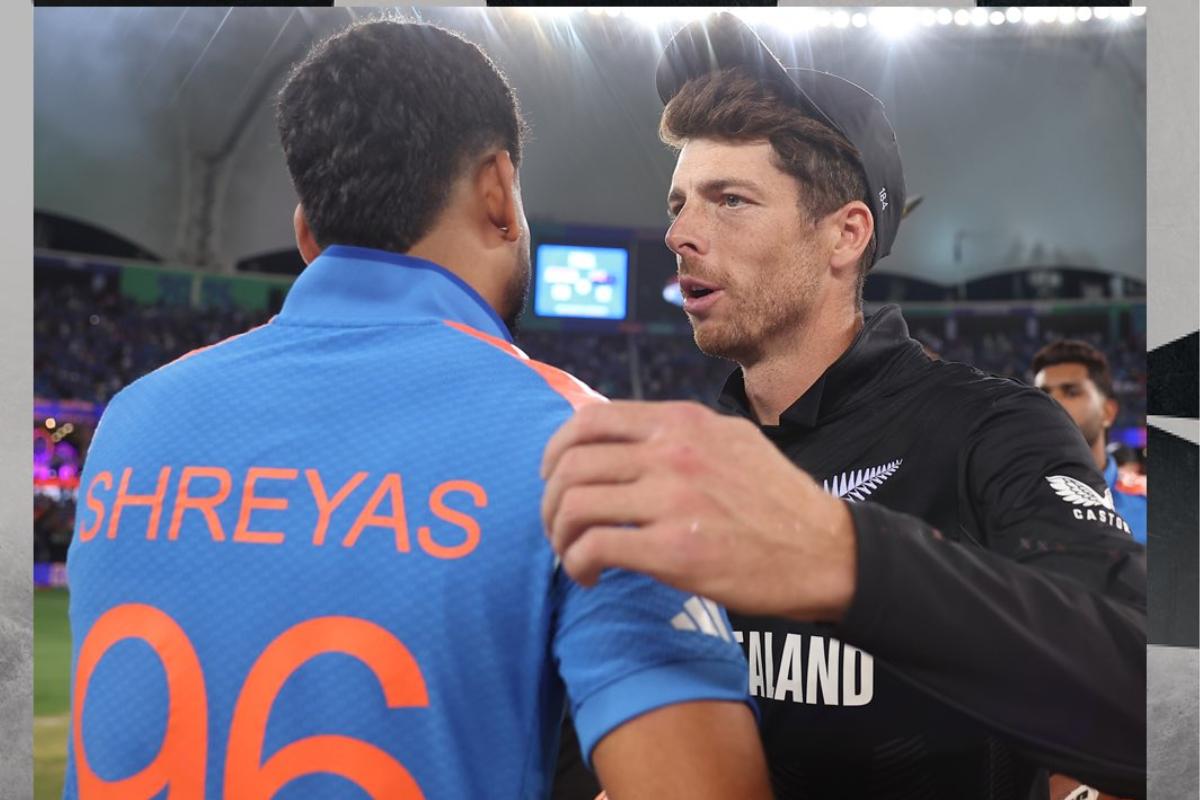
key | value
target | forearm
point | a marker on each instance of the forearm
(1039, 657)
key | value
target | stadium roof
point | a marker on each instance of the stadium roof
(1026, 141)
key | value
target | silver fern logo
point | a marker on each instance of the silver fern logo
(858, 484)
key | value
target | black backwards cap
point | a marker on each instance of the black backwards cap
(722, 41)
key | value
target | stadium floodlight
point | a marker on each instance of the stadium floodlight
(1137, 11)
(756, 16)
(928, 17)
(1119, 14)
(1083, 14)
(962, 17)
(841, 19)
(1013, 15)
(549, 12)
(790, 20)
(945, 16)
(859, 20)
(893, 22)
(1066, 15)
(979, 16)
(1101, 12)
(652, 17)
(996, 18)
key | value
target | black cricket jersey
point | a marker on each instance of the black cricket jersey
(998, 628)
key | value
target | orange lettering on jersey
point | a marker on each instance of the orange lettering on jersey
(247, 777)
(251, 503)
(438, 506)
(181, 756)
(86, 532)
(390, 485)
(325, 506)
(155, 501)
(205, 505)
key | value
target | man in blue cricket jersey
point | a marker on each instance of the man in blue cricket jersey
(1079, 378)
(269, 602)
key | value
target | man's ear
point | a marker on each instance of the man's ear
(306, 243)
(496, 189)
(853, 227)
(1111, 407)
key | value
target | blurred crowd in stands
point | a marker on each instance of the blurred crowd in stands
(53, 523)
(1010, 355)
(90, 341)
(671, 368)
(89, 344)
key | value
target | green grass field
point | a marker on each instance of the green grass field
(51, 691)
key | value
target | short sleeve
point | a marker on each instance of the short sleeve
(630, 645)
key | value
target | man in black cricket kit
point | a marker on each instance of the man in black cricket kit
(924, 613)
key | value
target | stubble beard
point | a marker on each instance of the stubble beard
(516, 293)
(1092, 431)
(762, 317)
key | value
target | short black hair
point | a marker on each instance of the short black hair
(1074, 351)
(380, 119)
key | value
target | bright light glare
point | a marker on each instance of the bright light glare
(791, 20)
(928, 17)
(996, 18)
(979, 16)
(549, 12)
(1101, 12)
(1083, 14)
(962, 17)
(1120, 14)
(893, 22)
(1066, 16)
(651, 17)
(1013, 15)
(1137, 11)
(841, 19)
(859, 20)
(756, 16)
(945, 16)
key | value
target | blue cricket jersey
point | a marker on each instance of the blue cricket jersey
(1128, 501)
(309, 562)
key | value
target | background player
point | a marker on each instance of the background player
(1077, 376)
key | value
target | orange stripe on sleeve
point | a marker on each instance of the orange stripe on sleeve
(573, 390)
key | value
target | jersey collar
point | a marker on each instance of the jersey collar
(360, 286)
(877, 353)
